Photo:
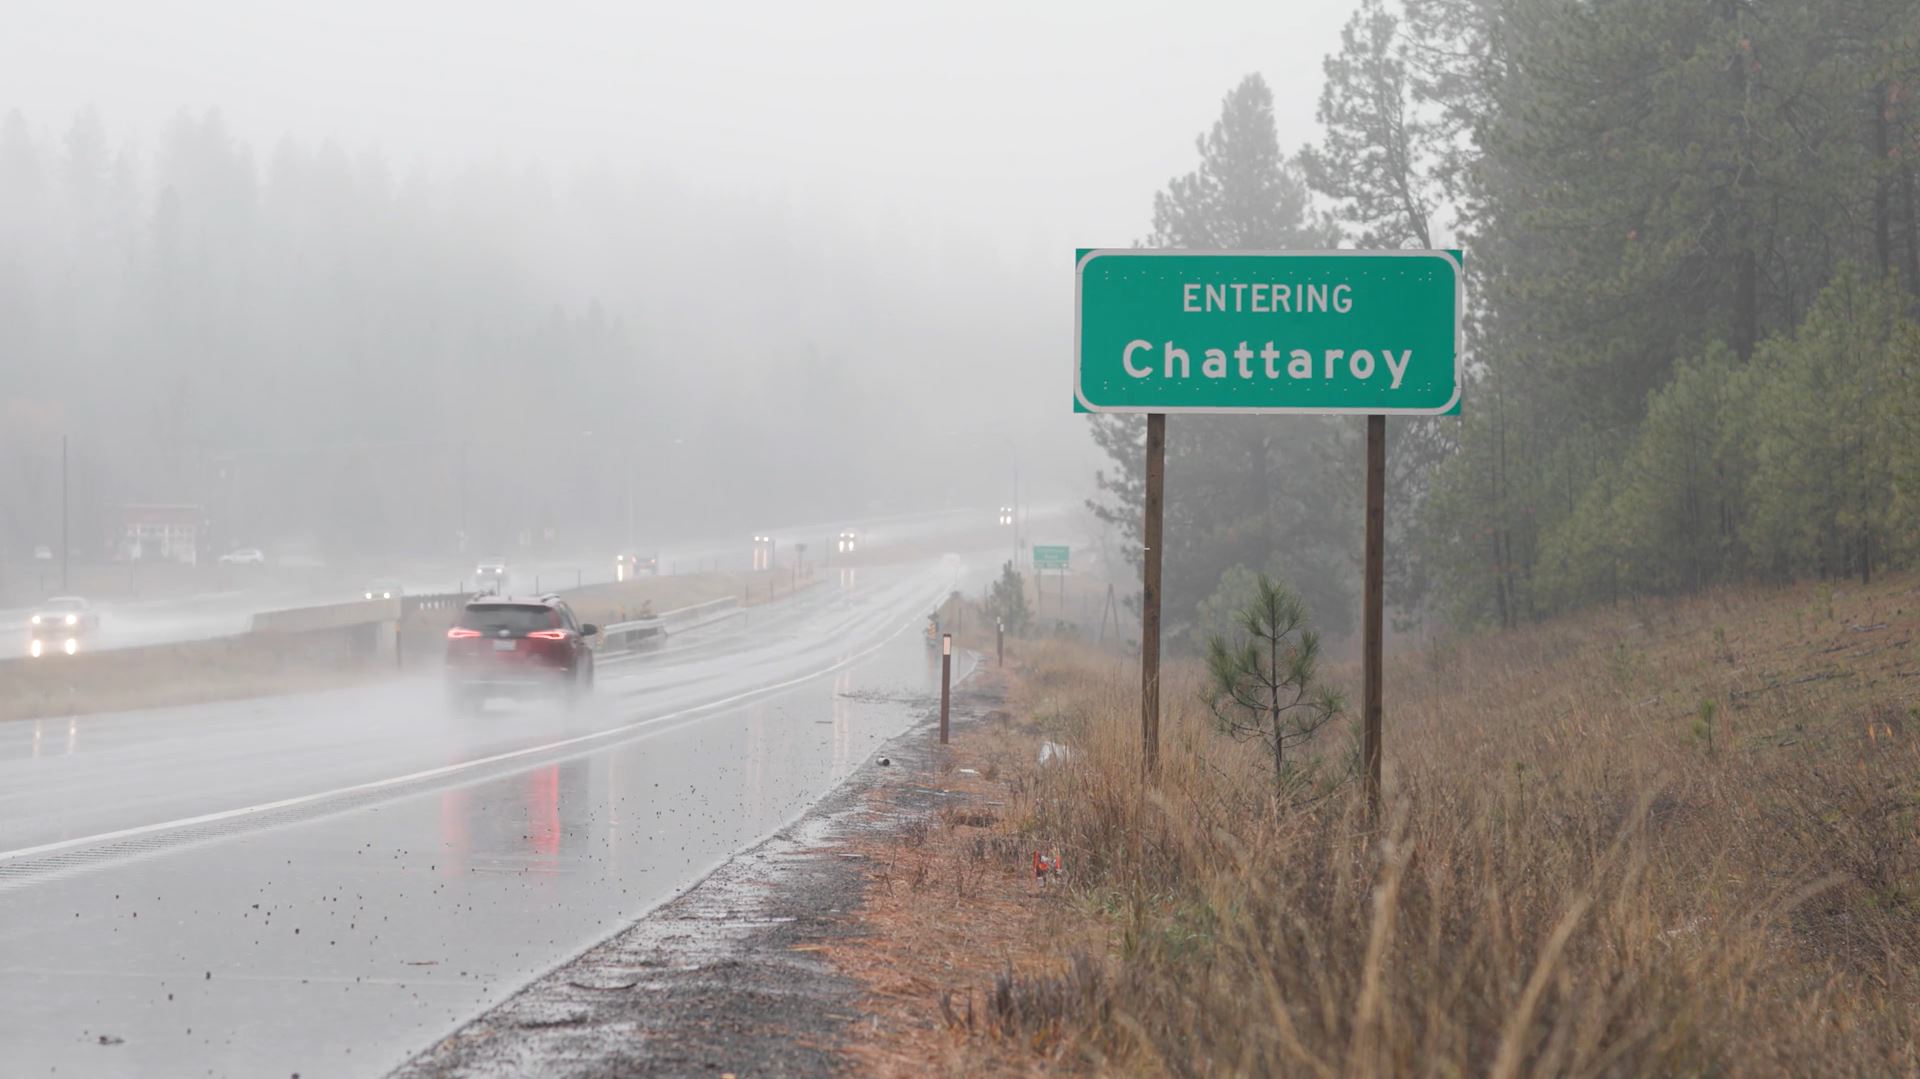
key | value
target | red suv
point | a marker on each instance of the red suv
(504, 647)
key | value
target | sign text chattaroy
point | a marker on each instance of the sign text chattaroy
(1306, 332)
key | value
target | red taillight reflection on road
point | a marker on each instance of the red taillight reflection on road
(543, 815)
(456, 842)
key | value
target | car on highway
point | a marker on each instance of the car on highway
(514, 647)
(382, 588)
(627, 565)
(245, 556)
(492, 573)
(58, 625)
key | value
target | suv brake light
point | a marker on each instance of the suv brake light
(461, 632)
(549, 634)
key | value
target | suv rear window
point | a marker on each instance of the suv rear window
(516, 618)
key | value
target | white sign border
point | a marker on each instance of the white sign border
(1459, 317)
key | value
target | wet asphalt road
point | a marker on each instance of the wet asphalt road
(323, 884)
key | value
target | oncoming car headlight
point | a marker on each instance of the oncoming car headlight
(36, 619)
(73, 620)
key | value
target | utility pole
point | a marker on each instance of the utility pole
(65, 545)
(463, 497)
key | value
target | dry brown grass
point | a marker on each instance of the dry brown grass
(948, 907)
(1586, 867)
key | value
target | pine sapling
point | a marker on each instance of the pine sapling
(1260, 683)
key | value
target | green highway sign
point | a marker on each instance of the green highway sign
(1328, 332)
(1049, 557)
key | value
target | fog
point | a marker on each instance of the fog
(360, 280)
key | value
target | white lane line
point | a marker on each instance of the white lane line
(423, 980)
(449, 769)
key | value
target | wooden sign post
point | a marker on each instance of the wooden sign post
(1150, 532)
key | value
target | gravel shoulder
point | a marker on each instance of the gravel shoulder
(732, 976)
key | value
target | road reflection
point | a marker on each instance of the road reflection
(37, 743)
(754, 776)
(525, 833)
(842, 722)
(456, 846)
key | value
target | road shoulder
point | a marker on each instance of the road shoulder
(736, 974)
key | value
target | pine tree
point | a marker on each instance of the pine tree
(1376, 158)
(1241, 490)
(1261, 677)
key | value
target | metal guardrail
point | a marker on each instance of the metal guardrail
(629, 635)
(435, 601)
(700, 612)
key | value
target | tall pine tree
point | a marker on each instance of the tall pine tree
(1241, 490)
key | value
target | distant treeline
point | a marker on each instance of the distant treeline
(307, 346)
(334, 355)
(1693, 247)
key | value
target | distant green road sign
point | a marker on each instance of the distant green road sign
(1049, 557)
(1373, 332)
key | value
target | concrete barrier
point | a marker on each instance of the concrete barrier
(183, 672)
(635, 633)
(358, 612)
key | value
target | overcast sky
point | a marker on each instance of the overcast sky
(981, 140)
(1049, 125)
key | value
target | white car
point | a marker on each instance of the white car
(245, 556)
(492, 574)
(59, 624)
